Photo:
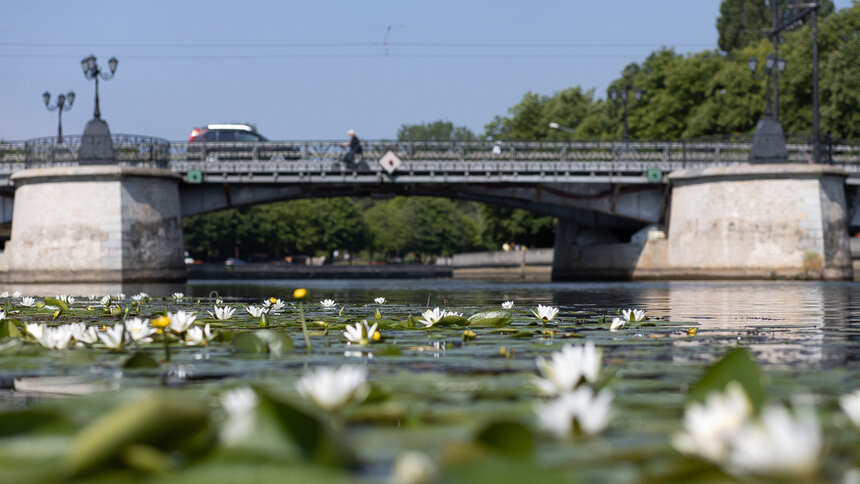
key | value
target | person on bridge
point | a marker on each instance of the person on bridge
(354, 145)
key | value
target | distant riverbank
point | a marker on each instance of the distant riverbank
(301, 271)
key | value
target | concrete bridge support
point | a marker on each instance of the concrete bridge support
(105, 223)
(775, 221)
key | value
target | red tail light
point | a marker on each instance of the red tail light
(194, 134)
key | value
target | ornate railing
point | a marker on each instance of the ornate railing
(129, 149)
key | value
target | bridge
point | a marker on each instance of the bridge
(601, 183)
(621, 186)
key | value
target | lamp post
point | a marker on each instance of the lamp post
(768, 140)
(92, 71)
(622, 98)
(59, 106)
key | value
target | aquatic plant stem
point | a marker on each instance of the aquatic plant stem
(305, 327)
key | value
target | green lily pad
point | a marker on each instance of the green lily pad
(452, 320)
(493, 317)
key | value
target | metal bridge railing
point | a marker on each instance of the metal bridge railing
(142, 150)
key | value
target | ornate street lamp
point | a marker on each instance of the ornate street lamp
(622, 98)
(768, 139)
(60, 106)
(92, 71)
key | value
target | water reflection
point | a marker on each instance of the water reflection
(155, 289)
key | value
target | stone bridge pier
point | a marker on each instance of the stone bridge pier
(95, 223)
(765, 221)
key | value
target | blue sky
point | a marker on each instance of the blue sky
(312, 70)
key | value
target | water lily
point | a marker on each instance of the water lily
(413, 467)
(255, 311)
(66, 298)
(28, 302)
(35, 330)
(507, 305)
(710, 426)
(432, 316)
(177, 296)
(180, 321)
(780, 444)
(2, 315)
(4, 294)
(567, 368)
(140, 297)
(239, 404)
(362, 333)
(633, 315)
(114, 337)
(56, 338)
(327, 303)
(16, 294)
(545, 313)
(199, 337)
(83, 333)
(105, 301)
(333, 388)
(223, 313)
(273, 304)
(617, 323)
(140, 330)
(379, 300)
(580, 409)
(850, 404)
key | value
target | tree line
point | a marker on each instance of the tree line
(702, 94)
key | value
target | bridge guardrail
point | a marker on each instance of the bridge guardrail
(129, 149)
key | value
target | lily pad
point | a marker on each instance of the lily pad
(493, 317)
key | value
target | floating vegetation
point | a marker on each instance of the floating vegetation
(188, 389)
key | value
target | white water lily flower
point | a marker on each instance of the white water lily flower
(199, 337)
(180, 321)
(432, 316)
(223, 313)
(362, 333)
(94, 297)
(16, 294)
(35, 330)
(379, 300)
(139, 330)
(413, 467)
(66, 298)
(140, 297)
(2, 315)
(617, 323)
(28, 302)
(4, 294)
(83, 333)
(850, 404)
(545, 313)
(710, 426)
(105, 301)
(177, 296)
(114, 337)
(588, 410)
(56, 338)
(633, 315)
(255, 311)
(328, 303)
(780, 444)
(240, 405)
(273, 304)
(566, 368)
(333, 388)
(507, 305)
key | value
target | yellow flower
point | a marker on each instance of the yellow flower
(376, 336)
(160, 322)
(300, 293)
(273, 300)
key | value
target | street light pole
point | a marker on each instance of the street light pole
(59, 106)
(92, 71)
(622, 98)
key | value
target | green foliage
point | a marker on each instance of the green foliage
(435, 131)
(503, 224)
(746, 22)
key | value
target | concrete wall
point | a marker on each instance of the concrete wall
(95, 223)
(739, 222)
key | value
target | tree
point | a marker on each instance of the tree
(435, 131)
(745, 22)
